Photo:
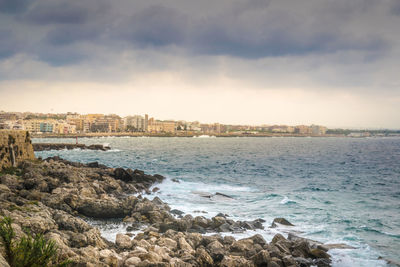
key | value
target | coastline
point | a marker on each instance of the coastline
(140, 134)
(53, 196)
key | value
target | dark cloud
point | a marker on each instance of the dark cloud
(68, 34)
(14, 6)
(156, 25)
(56, 12)
(8, 44)
(62, 56)
(248, 29)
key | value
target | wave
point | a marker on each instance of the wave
(286, 200)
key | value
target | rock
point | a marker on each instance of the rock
(203, 258)
(289, 260)
(103, 209)
(261, 258)
(338, 246)
(109, 257)
(300, 248)
(258, 239)
(94, 164)
(177, 212)
(168, 242)
(319, 253)
(132, 261)
(322, 262)
(389, 261)
(183, 245)
(223, 195)
(3, 262)
(225, 227)
(233, 261)
(151, 257)
(123, 175)
(280, 221)
(123, 241)
(302, 262)
(277, 238)
(201, 221)
(155, 189)
(218, 221)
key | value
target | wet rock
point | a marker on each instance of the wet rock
(223, 195)
(155, 189)
(281, 221)
(302, 262)
(322, 262)
(177, 212)
(319, 253)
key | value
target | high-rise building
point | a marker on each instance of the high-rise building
(146, 122)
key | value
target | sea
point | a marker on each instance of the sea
(333, 189)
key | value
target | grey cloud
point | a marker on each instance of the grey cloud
(56, 12)
(68, 34)
(246, 29)
(14, 6)
(8, 44)
(156, 25)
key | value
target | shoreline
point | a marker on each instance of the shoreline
(124, 134)
(54, 199)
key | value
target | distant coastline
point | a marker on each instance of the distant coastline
(140, 134)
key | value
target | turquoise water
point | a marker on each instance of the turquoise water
(336, 190)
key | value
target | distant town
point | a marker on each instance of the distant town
(74, 124)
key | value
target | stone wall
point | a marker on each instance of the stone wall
(15, 146)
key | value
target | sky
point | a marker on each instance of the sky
(328, 62)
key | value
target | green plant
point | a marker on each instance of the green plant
(29, 251)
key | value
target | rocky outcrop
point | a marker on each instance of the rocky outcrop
(69, 146)
(54, 197)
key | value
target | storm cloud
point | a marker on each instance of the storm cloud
(339, 45)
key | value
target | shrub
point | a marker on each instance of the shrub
(29, 251)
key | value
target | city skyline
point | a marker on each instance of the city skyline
(255, 62)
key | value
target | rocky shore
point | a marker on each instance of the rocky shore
(56, 197)
(61, 146)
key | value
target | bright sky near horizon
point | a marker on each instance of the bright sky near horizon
(329, 62)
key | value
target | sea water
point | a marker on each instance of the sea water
(335, 190)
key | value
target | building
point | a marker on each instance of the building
(318, 130)
(302, 129)
(32, 126)
(155, 126)
(135, 123)
(46, 127)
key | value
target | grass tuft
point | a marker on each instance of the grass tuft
(30, 250)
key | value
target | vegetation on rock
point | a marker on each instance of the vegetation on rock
(28, 251)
